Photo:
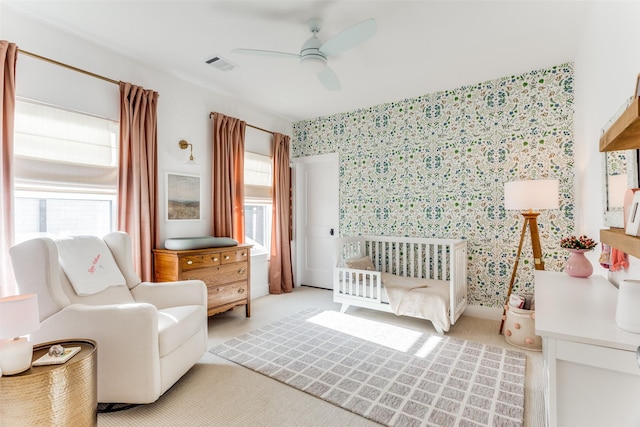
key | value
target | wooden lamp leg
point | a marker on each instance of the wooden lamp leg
(530, 219)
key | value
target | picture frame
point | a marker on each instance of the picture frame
(633, 222)
(183, 196)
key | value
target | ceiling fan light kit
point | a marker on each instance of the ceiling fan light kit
(313, 54)
(313, 64)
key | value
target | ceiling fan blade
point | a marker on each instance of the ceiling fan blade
(266, 53)
(329, 79)
(349, 38)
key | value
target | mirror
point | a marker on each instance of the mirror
(620, 169)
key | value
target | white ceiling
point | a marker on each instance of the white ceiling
(420, 46)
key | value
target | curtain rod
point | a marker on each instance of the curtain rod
(61, 64)
(252, 126)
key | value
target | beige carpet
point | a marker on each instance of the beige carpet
(217, 392)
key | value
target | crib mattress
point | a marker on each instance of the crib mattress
(364, 290)
(430, 302)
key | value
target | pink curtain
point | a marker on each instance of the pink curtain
(9, 57)
(280, 267)
(227, 177)
(137, 180)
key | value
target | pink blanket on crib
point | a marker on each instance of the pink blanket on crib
(422, 298)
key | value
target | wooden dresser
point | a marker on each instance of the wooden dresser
(226, 271)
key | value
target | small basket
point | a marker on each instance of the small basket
(520, 329)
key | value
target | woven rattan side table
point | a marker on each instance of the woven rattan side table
(53, 395)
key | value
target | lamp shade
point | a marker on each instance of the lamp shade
(531, 194)
(19, 315)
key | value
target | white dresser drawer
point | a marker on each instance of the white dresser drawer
(599, 357)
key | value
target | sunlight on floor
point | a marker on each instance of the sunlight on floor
(394, 337)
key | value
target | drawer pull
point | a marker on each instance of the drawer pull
(226, 257)
(189, 262)
(241, 291)
(214, 259)
(241, 270)
(244, 254)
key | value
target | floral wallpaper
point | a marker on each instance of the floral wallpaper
(435, 166)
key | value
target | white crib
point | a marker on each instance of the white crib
(442, 262)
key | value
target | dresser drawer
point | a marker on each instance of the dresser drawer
(236, 255)
(199, 261)
(233, 272)
(224, 294)
(219, 275)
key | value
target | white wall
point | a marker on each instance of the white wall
(606, 68)
(183, 108)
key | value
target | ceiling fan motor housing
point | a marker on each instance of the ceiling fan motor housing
(311, 57)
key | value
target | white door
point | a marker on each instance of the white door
(317, 188)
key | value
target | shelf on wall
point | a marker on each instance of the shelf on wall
(624, 133)
(616, 238)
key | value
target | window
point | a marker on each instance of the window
(257, 201)
(65, 171)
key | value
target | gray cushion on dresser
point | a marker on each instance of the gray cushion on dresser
(188, 243)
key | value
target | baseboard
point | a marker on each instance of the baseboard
(492, 313)
(259, 291)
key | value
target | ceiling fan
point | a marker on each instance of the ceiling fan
(313, 54)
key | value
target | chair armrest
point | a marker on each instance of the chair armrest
(127, 345)
(171, 294)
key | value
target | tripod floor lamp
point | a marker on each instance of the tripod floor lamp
(526, 196)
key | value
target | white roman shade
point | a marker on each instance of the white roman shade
(56, 148)
(258, 176)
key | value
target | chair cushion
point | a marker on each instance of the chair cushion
(176, 325)
(89, 264)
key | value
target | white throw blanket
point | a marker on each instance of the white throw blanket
(89, 264)
(422, 298)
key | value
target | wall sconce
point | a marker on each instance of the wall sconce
(184, 145)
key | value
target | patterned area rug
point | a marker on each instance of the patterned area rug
(388, 374)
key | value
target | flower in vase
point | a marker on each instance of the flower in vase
(582, 242)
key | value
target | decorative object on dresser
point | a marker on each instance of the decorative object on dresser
(633, 222)
(525, 196)
(225, 271)
(577, 264)
(18, 317)
(627, 313)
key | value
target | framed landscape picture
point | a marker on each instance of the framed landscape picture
(183, 197)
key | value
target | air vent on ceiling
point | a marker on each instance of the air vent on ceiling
(221, 63)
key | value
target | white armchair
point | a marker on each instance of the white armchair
(148, 334)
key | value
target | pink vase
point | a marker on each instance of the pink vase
(578, 265)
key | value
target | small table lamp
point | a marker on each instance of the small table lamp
(19, 316)
(526, 196)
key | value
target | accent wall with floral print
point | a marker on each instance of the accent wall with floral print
(435, 166)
